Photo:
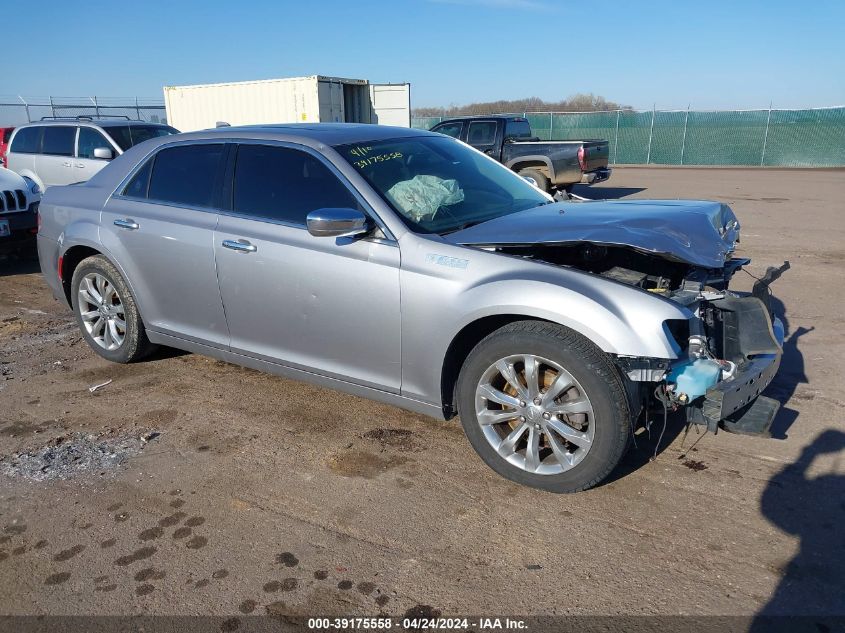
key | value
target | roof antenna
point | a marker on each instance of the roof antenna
(222, 124)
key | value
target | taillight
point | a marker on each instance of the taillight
(38, 219)
(582, 158)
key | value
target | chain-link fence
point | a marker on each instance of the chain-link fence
(20, 110)
(790, 138)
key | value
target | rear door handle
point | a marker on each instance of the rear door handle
(128, 223)
(66, 164)
(80, 165)
(242, 246)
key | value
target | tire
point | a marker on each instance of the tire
(598, 424)
(96, 330)
(538, 176)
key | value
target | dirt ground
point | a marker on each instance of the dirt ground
(263, 495)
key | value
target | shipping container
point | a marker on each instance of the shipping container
(294, 100)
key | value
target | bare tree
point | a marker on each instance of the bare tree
(575, 103)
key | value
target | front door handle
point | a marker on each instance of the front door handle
(66, 164)
(80, 165)
(128, 223)
(242, 246)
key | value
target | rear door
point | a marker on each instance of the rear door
(86, 164)
(325, 305)
(390, 104)
(159, 228)
(482, 135)
(54, 164)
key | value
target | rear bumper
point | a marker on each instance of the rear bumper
(598, 175)
(23, 226)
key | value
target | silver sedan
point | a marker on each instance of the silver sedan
(406, 267)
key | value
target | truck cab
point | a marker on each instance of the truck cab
(552, 165)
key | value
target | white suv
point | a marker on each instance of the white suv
(64, 151)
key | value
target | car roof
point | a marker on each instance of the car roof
(496, 117)
(321, 133)
(104, 123)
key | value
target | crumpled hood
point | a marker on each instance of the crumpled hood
(698, 232)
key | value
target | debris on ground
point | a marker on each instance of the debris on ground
(75, 454)
(100, 386)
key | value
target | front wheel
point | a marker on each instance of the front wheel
(106, 312)
(544, 407)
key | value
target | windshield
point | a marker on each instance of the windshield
(440, 185)
(128, 135)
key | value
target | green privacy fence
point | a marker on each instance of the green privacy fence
(790, 138)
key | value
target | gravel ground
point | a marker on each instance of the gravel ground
(263, 495)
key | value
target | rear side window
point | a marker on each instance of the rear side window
(517, 128)
(186, 175)
(58, 140)
(450, 129)
(27, 140)
(278, 183)
(140, 183)
(89, 140)
(481, 133)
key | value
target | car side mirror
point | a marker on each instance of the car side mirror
(103, 152)
(336, 222)
(530, 180)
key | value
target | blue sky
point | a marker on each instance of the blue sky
(711, 54)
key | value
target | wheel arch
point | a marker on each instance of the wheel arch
(461, 345)
(541, 163)
(74, 255)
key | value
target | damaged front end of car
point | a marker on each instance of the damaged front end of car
(682, 251)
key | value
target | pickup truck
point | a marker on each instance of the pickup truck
(552, 165)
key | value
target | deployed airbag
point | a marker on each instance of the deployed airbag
(422, 196)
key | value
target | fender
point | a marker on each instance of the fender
(28, 173)
(86, 233)
(619, 319)
(514, 163)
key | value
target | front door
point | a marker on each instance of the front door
(160, 230)
(327, 305)
(482, 136)
(86, 164)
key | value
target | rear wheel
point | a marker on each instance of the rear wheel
(538, 177)
(544, 407)
(106, 312)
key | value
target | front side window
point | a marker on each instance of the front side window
(128, 135)
(58, 140)
(89, 140)
(481, 133)
(449, 129)
(439, 185)
(186, 174)
(27, 140)
(283, 184)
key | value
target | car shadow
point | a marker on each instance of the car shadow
(810, 507)
(790, 375)
(605, 193)
(13, 265)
